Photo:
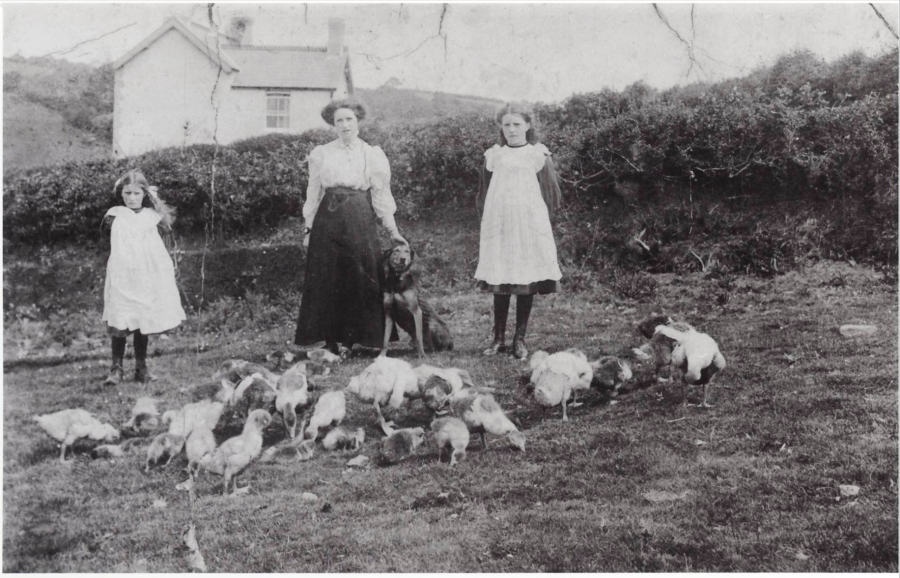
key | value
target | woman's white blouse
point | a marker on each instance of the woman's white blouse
(357, 165)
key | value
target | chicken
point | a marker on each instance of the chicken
(401, 444)
(482, 414)
(144, 418)
(292, 392)
(385, 380)
(252, 393)
(165, 445)
(235, 370)
(451, 431)
(342, 439)
(696, 355)
(198, 444)
(556, 377)
(330, 410)
(660, 346)
(198, 415)
(610, 373)
(236, 454)
(68, 425)
(279, 357)
(290, 451)
(109, 451)
(438, 386)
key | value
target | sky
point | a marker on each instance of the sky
(535, 52)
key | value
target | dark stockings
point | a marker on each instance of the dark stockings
(523, 312)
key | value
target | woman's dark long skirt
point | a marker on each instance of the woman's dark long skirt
(342, 299)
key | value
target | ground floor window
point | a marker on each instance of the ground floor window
(278, 110)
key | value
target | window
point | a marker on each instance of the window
(278, 110)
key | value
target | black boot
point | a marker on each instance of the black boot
(141, 374)
(523, 311)
(501, 311)
(116, 373)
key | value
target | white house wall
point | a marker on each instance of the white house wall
(162, 97)
(243, 114)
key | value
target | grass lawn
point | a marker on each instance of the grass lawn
(644, 484)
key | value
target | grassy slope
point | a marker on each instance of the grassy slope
(760, 495)
(34, 135)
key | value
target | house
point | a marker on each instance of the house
(187, 84)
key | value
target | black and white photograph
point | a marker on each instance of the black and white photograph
(463, 287)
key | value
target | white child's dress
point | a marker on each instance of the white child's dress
(517, 245)
(140, 291)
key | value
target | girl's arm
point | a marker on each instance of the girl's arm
(314, 190)
(550, 187)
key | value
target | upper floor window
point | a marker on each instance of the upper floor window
(278, 110)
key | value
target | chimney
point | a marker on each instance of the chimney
(240, 31)
(335, 36)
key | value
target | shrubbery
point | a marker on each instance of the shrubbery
(732, 170)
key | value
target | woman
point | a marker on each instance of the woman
(349, 185)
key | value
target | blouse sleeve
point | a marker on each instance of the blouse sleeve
(378, 171)
(486, 173)
(547, 179)
(314, 188)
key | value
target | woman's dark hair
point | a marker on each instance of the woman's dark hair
(350, 102)
(523, 110)
(134, 177)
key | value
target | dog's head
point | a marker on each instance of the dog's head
(400, 258)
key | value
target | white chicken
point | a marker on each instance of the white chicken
(203, 414)
(386, 380)
(198, 444)
(451, 431)
(292, 392)
(556, 377)
(331, 407)
(144, 417)
(696, 355)
(236, 454)
(68, 425)
(482, 414)
(659, 347)
(439, 385)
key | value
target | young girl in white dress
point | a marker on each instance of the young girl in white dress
(517, 252)
(140, 295)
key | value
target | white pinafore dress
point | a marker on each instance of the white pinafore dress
(140, 291)
(517, 245)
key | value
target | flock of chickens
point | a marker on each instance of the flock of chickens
(252, 395)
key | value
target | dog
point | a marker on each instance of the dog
(404, 305)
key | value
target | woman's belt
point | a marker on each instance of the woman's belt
(337, 196)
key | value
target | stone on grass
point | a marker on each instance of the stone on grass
(308, 497)
(848, 490)
(857, 330)
(358, 462)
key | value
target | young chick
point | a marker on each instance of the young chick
(610, 373)
(696, 355)
(235, 454)
(144, 418)
(292, 392)
(452, 432)
(556, 377)
(289, 451)
(198, 444)
(330, 410)
(385, 380)
(165, 445)
(68, 425)
(343, 439)
(401, 444)
(252, 393)
(660, 346)
(482, 414)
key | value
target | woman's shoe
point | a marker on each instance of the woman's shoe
(495, 348)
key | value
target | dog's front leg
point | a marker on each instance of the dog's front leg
(412, 301)
(387, 301)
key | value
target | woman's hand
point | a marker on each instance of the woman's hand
(397, 237)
